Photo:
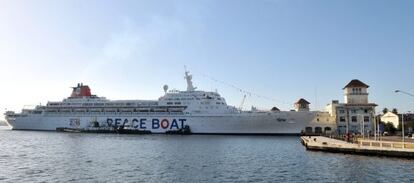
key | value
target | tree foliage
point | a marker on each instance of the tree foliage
(395, 111)
(390, 128)
(385, 110)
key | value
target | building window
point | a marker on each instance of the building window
(341, 119)
(366, 111)
(353, 111)
(341, 111)
(356, 90)
(354, 119)
(366, 118)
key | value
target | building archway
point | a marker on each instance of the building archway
(318, 130)
(308, 130)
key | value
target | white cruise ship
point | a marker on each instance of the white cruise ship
(203, 112)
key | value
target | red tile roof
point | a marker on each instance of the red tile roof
(302, 101)
(356, 83)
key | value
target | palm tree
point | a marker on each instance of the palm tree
(395, 111)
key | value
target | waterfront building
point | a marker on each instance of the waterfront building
(356, 114)
(396, 120)
(323, 122)
(391, 117)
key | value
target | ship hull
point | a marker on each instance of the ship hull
(280, 123)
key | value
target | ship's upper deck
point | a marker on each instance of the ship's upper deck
(189, 101)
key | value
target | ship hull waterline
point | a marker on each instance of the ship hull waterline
(285, 123)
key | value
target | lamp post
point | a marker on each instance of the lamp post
(404, 92)
(362, 125)
(402, 114)
(375, 127)
(402, 127)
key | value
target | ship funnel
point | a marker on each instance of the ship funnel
(81, 91)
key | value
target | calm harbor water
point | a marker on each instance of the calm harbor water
(31, 156)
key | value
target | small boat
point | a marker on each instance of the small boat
(132, 131)
(72, 130)
(182, 131)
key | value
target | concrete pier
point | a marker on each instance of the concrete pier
(363, 147)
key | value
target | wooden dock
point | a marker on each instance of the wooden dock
(363, 147)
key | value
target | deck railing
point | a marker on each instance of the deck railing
(385, 144)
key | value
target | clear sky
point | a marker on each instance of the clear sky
(281, 49)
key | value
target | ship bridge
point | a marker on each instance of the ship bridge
(196, 101)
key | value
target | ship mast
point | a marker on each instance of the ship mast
(188, 77)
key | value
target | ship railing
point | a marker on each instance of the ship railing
(114, 113)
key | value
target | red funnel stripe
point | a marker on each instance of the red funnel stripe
(81, 91)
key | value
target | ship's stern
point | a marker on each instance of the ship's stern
(10, 117)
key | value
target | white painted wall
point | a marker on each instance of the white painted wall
(353, 95)
(390, 117)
